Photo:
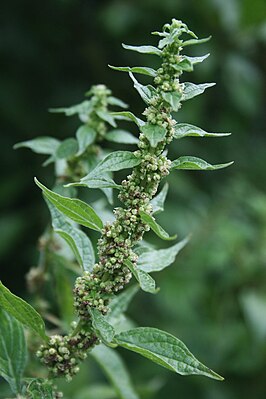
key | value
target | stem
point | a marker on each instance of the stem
(77, 329)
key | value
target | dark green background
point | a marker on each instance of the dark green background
(214, 298)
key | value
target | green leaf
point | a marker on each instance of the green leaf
(129, 116)
(67, 149)
(108, 192)
(121, 136)
(103, 329)
(168, 39)
(113, 162)
(101, 182)
(119, 303)
(193, 163)
(157, 260)
(184, 65)
(173, 98)
(85, 136)
(115, 370)
(142, 247)
(22, 311)
(13, 351)
(154, 133)
(161, 34)
(143, 49)
(83, 108)
(158, 201)
(195, 41)
(192, 90)
(189, 32)
(146, 282)
(104, 181)
(142, 70)
(40, 389)
(116, 101)
(145, 92)
(165, 350)
(196, 60)
(40, 145)
(184, 130)
(78, 241)
(146, 218)
(107, 117)
(73, 208)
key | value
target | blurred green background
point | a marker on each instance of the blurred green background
(214, 297)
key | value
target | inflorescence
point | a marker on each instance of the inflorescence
(110, 275)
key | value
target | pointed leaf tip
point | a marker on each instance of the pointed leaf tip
(141, 70)
(158, 230)
(191, 42)
(143, 49)
(194, 163)
(186, 130)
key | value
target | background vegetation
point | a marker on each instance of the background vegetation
(214, 297)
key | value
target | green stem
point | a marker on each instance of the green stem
(77, 329)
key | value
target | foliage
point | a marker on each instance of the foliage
(98, 285)
(66, 51)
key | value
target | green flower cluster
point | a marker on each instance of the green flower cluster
(63, 353)
(158, 114)
(86, 298)
(98, 106)
(91, 114)
(167, 77)
(110, 274)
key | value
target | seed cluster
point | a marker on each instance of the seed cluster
(99, 105)
(62, 354)
(85, 297)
